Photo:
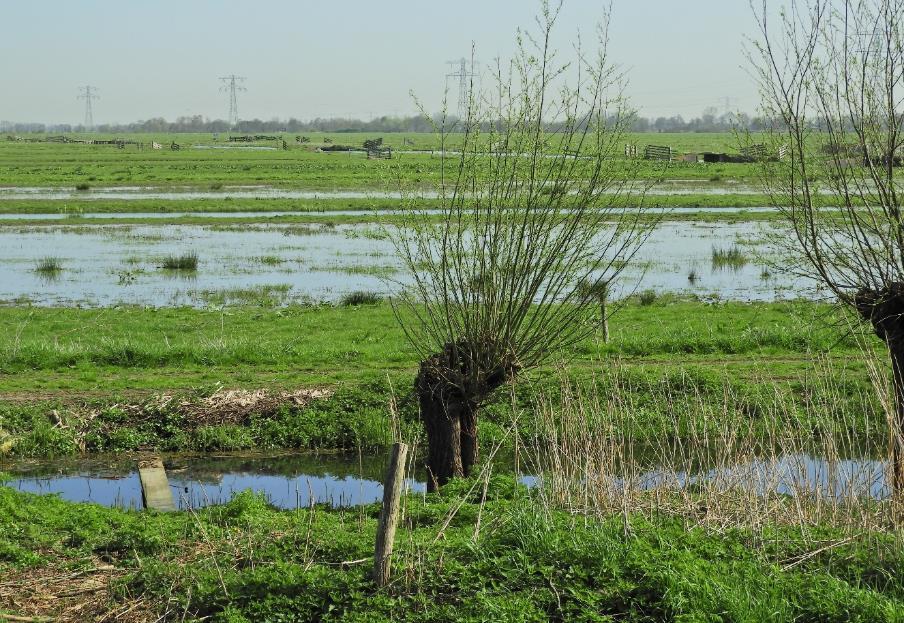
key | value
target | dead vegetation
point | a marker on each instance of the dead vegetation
(795, 463)
(61, 594)
(79, 422)
(224, 406)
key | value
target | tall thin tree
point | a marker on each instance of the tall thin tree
(532, 209)
(831, 73)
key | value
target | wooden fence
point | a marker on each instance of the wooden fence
(384, 153)
(657, 152)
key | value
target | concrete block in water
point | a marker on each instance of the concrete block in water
(155, 489)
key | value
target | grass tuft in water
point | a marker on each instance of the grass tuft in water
(732, 258)
(186, 261)
(49, 266)
(693, 276)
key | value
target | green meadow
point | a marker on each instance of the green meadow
(42, 164)
(587, 505)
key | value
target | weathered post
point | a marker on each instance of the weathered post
(155, 489)
(389, 515)
(604, 296)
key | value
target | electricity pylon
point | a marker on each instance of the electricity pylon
(89, 94)
(231, 85)
(463, 70)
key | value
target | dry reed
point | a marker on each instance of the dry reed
(797, 461)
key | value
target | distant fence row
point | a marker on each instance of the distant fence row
(666, 153)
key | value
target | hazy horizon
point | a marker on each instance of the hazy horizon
(343, 59)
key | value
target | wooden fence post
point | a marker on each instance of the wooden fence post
(389, 515)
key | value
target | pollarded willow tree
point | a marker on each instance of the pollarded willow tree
(532, 208)
(831, 74)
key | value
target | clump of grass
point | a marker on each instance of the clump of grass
(647, 297)
(186, 261)
(693, 276)
(49, 266)
(765, 274)
(83, 186)
(126, 277)
(360, 298)
(733, 257)
(270, 260)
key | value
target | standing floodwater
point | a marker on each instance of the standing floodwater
(102, 265)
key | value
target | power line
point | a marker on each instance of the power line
(463, 70)
(231, 85)
(89, 94)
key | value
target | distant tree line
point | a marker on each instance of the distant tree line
(199, 123)
(709, 121)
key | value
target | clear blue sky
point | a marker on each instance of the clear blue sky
(161, 58)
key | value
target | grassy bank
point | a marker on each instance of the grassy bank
(342, 342)
(73, 208)
(119, 379)
(506, 559)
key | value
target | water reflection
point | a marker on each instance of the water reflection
(287, 480)
(792, 474)
(294, 480)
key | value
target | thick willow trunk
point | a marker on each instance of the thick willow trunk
(449, 411)
(450, 422)
(443, 433)
(469, 444)
(884, 309)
